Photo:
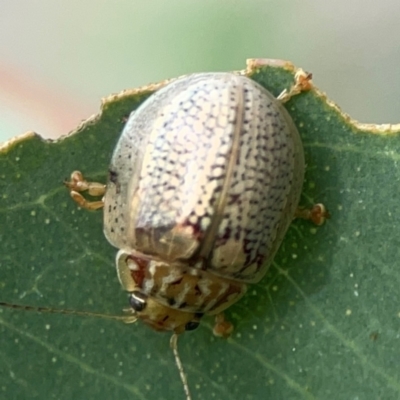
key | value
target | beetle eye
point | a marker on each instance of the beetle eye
(192, 325)
(137, 300)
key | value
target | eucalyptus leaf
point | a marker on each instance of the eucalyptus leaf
(323, 324)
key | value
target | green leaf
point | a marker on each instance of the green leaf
(323, 324)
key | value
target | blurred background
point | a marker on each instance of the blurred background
(58, 59)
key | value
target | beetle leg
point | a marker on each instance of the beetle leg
(222, 327)
(302, 83)
(317, 214)
(83, 203)
(79, 184)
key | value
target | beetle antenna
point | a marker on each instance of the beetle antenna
(125, 318)
(174, 345)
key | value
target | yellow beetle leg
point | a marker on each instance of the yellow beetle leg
(222, 327)
(317, 214)
(83, 203)
(79, 184)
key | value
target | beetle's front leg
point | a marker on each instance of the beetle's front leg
(222, 327)
(78, 184)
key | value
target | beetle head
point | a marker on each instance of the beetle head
(146, 307)
(161, 317)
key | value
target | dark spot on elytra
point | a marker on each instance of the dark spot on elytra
(113, 176)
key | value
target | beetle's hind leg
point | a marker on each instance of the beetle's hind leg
(302, 83)
(78, 184)
(317, 214)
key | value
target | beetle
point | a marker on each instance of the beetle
(202, 186)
